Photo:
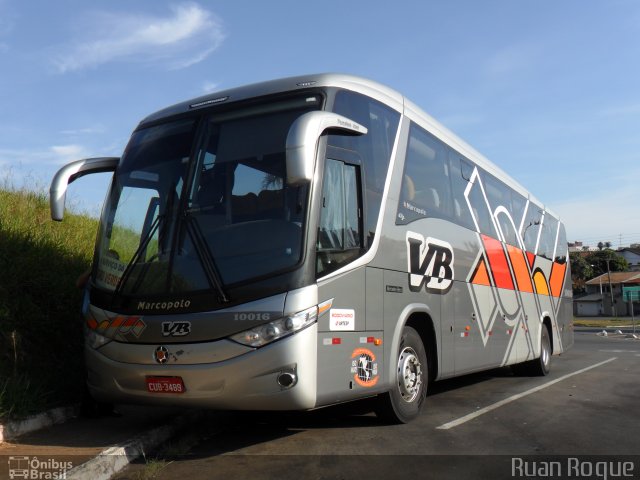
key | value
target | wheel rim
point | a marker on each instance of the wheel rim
(409, 374)
(545, 350)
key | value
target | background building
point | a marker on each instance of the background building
(597, 301)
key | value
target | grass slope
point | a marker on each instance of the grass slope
(41, 362)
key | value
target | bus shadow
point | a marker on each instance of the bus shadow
(450, 384)
(223, 433)
(228, 432)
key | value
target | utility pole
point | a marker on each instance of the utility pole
(613, 308)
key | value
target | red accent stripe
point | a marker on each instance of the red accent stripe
(130, 322)
(116, 322)
(498, 262)
(532, 258)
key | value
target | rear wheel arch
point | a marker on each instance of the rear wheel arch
(422, 323)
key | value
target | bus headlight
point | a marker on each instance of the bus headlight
(269, 332)
(95, 340)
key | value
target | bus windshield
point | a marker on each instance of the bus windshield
(194, 211)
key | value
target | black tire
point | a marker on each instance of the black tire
(405, 400)
(541, 366)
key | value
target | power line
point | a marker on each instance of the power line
(620, 240)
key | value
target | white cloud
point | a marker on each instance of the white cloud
(68, 153)
(83, 131)
(184, 38)
(54, 155)
(209, 87)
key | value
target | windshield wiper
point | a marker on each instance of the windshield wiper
(206, 259)
(136, 256)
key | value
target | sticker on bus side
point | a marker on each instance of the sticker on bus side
(364, 367)
(430, 263)
(342, 319)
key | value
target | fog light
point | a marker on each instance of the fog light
(287, 380)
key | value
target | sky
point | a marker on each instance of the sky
(548, 90)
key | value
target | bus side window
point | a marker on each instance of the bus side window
(460, 175)
(426, 188)
(500, 195)
(531, 227)
(481, 210)
(561, 246)
(548, 237)
(374, 148)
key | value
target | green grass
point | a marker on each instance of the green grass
(151, 469)
(41, 363)
(604, 322)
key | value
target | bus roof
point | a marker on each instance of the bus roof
(362, 85)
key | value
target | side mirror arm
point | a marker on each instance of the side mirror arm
(70, 173)
(302, 141)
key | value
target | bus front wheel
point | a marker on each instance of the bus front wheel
(404, 401)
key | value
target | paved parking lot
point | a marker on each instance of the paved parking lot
(586, 407)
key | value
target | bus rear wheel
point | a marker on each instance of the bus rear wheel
(541, 366)
(405, 400)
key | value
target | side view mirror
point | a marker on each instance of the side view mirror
(302, 141)
(71, 172)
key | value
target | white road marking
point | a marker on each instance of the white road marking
(618, 351)
(482, 411)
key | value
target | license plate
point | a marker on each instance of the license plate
(165, 385)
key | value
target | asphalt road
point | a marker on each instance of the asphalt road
(477, 426)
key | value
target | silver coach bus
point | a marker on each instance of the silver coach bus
(309, 241)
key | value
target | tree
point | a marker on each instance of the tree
(586, 267)
(581, 271)
(598, 260)
(580, 267)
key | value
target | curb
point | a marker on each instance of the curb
(13, 429)
(616, 334)
(113, 459)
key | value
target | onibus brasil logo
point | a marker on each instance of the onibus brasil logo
(38, 469)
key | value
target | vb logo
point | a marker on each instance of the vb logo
(176, 329)
(430, 263)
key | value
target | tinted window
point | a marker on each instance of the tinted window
(531, 227)
(548, 237)
(460, 170)
(481, 210)
(374, 148)
(426, 184)
(500, 195)
(518, 203)
(561, 246)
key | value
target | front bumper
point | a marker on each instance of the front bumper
(248, 381)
